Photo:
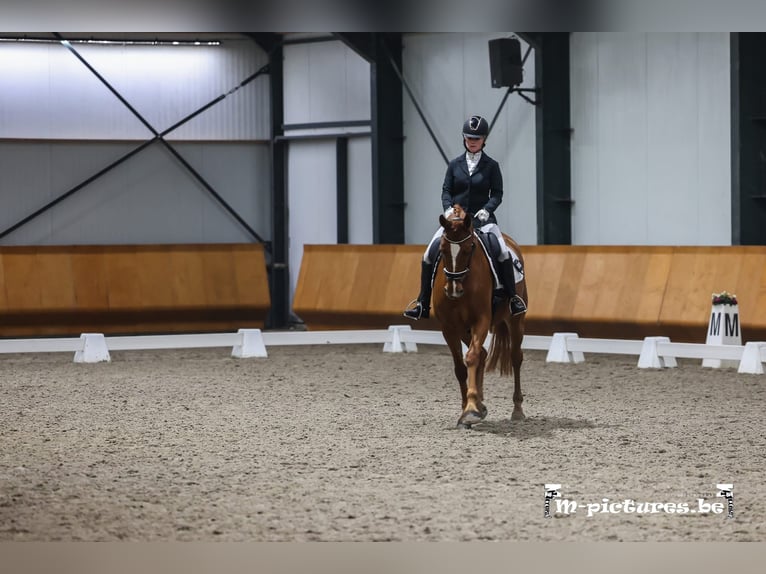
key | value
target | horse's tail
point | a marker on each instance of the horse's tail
(500, 349)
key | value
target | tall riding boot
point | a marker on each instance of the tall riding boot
(509, 284)
(423, 302)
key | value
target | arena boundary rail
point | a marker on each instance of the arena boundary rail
(652, 352)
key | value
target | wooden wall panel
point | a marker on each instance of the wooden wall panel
(65, 290)
(186, 284)
(596, 291)
(124, 284)
(750, 284)
(404, 280)
(3, 296)
(543, 275)
(22, 287)
(357, 286)
(54, 273)
(144, 274)
(652, 288)
(697, 272)
(615, 291)
(89, 277)
(249, 262)
(219, 280)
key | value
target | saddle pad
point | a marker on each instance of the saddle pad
(491, 248)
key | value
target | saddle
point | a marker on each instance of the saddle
(491, 246)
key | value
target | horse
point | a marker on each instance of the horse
(462, 300)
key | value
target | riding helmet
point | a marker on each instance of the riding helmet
(475, 127)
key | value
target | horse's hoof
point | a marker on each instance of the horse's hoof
(471, 417)
(483, 412)
(463, 426)
(518, 416)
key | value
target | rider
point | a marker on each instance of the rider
(473, 181)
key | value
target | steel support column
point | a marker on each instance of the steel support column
(748, 139)
(280, 315)
(341, 187)
(554, 185)
(387, 140)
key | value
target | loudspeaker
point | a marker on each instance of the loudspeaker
(505, 62)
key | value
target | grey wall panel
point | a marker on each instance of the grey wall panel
(151, 198)
(713, 182)
(434, 66)
(325, 81)
(360, 190)
(651, 145)
(622, 138)
(450, 77)
(673, 116)
(312, 184)
(586, 218)
(46, 92)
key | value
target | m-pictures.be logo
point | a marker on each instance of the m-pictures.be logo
(727, 491)
(630, 506)
(551, 492)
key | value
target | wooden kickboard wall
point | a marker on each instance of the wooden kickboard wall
(596, 291)
(66, 290)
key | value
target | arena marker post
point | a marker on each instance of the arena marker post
(251, 344)
(723, 329)
(650, 358)
(751, 358)
(94, 349)
(558, 351)
(398, 343)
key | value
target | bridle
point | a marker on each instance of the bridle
(460, 275)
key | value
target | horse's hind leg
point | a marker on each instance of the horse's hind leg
(517, 357)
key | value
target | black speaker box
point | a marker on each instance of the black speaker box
(505, 62)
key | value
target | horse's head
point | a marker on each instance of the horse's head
(457, 247)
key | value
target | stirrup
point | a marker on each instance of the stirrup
(418, 312)
(517, 305)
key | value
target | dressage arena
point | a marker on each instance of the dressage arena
(348, 443)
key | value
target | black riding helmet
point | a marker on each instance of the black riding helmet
(474, 128)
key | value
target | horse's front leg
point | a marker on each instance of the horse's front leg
(461, 372)
(480, 381)
(474, 409)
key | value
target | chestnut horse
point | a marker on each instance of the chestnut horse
(462, 300)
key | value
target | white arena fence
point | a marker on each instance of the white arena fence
(652, 352)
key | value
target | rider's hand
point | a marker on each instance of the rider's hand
(449, 212)
(482, 215)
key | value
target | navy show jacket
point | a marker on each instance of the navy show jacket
(481, 190)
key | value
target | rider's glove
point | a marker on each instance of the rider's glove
(482, 215)
(449, 212)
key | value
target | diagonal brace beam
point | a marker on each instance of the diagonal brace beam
(158, 136)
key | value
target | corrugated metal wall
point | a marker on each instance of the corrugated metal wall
(59, 125)
(325, 81)
(651, 159)
(47, 93)
(650, 150)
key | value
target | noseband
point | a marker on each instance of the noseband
(460, 275)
